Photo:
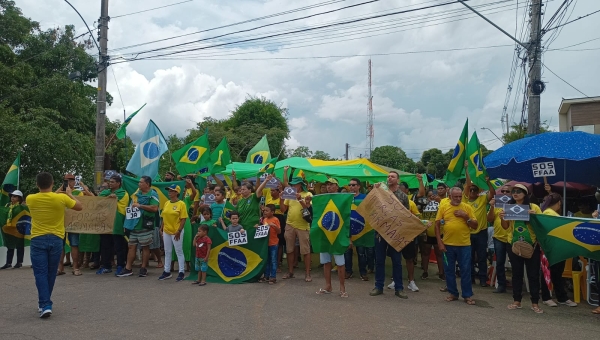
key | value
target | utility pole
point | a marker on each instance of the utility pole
(101, 98)
(370, 131)
(535, 86)
(347, 148)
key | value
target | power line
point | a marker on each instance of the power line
(86, 25)
(148, 10)
(566, 23)
(566, 82)
(118, 89)
(581, 43)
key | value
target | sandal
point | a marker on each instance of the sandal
(343, 294)
(272, 281)
(288, 276)
(364, 277)
(60, 273)
(451, 298)
(195, 282)
(537, 310)
(202, 284)
(77, 272)
(279, 269)
(262, 280)
(470, 301)
(307, 278)
(513, 306)
(443, 289)
(323, 291)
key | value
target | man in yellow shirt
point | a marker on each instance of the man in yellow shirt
(47, 211)
(458, 220)
(479, 236)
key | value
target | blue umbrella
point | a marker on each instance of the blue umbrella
(576, 157)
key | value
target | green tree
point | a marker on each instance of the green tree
(322, 155)
(166, 161)
(393, 157)
(301, 151)
(518, 131)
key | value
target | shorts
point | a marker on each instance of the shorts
(410, 251)
(326, 258)
(431, 240)
(201, 265)
(73, 239)
(290, 239)
(141, 237)
(155, 239)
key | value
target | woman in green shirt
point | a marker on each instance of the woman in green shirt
(249, 204)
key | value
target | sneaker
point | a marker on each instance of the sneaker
(412, 286)
(424, 276)
(45, 313)
(118, 271)
(550, 303)
(163, 276)
(6, 266)
(125, 272)
(17, 266)
(348, 276)
(568, 303)
(180, 277)
(376, 292)
(401, 294)
(103, 271)
(143, 272)
(391, 285)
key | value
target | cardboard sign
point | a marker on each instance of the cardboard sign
(516, 212)
(97, 216)
(209, 199)
(262, 231)
(289, 193)
(236, 238)
(132, 213)
(501, 200)
(544, 169)
(390, 219)
(273, 183)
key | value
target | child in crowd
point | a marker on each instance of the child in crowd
(234, 226)
(202, 244)
(219, 204)
(207, 216)
(274, 229)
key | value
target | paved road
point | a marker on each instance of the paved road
(106, 307)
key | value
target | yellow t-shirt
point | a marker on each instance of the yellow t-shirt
(294, 213)
(444, 200)
(429, 213)
(500, 233)
(511, 229)
(550, 212)
(456, 230)
(189, 192)
(413, 208)
(479, 206)
(171, 214)
(270, 200)
(582, 215)
(47, 211)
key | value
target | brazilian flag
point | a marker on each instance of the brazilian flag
(226, 213)
(269, 166)
(194, 157)
(361, 233)
(220, 157)
(477, 170)
(330, 229)
(16, 226)
(10, 182)
(260, 153)
(236, 264)
(563, 238)
(457, 163)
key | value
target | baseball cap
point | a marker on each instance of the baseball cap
(333, 181)
(174, 187)
(17, 193)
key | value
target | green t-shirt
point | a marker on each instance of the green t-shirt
(122, 202)
(249, 209)
(153, 201)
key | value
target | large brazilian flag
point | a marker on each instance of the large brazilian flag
(235, 264)
(563, 238)
(330, 229)
(361, 233)
(16, 226)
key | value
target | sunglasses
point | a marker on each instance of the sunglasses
(517, 191)
(505, 191)
(352, 185)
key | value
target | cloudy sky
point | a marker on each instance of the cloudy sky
(420, 100)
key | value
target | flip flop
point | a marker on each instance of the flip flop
(470, 301)
(307, 279)
(202, 284)
(195, 282)
(60, 273)
(323, 291)
(512, 306)
(537, 310)
(343, 294)
(288, 276)
(451, 298)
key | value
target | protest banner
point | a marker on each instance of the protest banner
(262, 231)
(289, 193)
(237, 238)
(209, 199)
(273, 183)
(97, 216)
(501, 200)
(390, 219)
(516, 212)
(543, 169)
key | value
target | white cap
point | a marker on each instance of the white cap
(17, 193)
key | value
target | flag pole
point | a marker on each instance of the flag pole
(125, 139)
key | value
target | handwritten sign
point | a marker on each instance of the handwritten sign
(97, 216)
(289, 193)
(237, 238)
(390, 219)
(501, 200)
(516, 212)
(543, 169)
(273, 183)
(261, 231)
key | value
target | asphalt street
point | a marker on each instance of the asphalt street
(105, 307)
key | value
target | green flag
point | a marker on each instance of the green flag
(477, 170)
(11, 181)
(16, 226)
(122, 130)
(194, 157)
(235, 264)
(457, 163)
(260, 153)
(563, 237)
(220, 158)
(330, 229)
(269, 167)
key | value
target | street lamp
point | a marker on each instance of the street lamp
(501, 141)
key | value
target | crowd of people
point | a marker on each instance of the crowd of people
(457, 233)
